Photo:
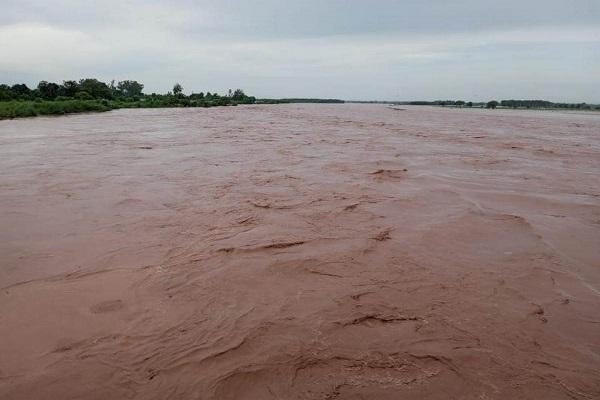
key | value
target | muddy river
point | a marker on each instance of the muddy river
(300, 252)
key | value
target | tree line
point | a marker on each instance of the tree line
(91, 94)
(527, 104)
(127, 90)
(547, 104)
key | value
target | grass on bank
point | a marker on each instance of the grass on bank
(20, 109)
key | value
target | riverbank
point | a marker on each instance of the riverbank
(23, 109)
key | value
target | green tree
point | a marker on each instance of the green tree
(492, 104)
(95, 88)
(177, 89)
(5, 93)
(238, 94)
(48, 90)
(130, 88)
(68, 88)
(20, 90)
(83, 95)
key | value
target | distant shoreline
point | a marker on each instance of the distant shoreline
(493, 104)
(92, 95)
(30, 109)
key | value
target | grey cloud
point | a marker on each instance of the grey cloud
(310, 18)
(349, 49)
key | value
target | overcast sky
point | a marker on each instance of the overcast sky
(395, 50)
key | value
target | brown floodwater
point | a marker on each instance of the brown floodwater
(300, 252)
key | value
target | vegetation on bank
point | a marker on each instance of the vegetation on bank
(514, 104)
(87, 95)
(28, 108)
(300, 100)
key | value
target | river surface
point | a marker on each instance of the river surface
(300, 252)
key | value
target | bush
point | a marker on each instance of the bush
(16, 109)
(83, 95)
